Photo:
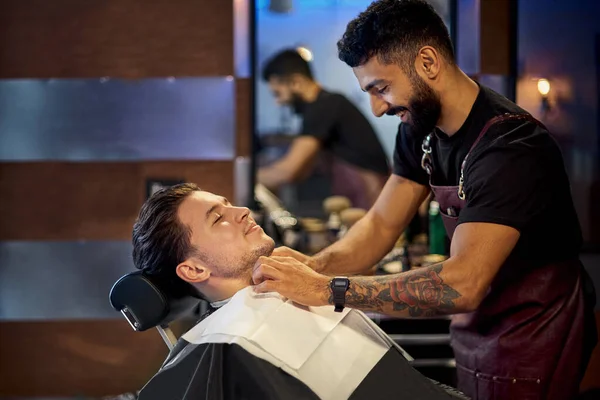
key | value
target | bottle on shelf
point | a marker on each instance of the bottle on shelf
(437, 232)
(333, 206)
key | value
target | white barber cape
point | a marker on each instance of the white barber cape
(262, 346)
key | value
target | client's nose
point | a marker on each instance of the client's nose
(241, 213)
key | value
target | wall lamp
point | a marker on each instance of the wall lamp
(543, 86)
(305, 53)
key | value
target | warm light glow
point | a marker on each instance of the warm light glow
(543, 87)
(305, 53)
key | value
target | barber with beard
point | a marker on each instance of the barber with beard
(357, 164)
(522, 304)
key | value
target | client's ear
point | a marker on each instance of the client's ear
(192, 272)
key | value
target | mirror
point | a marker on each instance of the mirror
(311, 29)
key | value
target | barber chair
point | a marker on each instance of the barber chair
(148, 302)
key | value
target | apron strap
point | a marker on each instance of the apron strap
(426, 160)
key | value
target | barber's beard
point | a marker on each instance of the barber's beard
(424, 107)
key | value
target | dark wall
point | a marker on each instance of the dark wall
(95, 201)
(557, 40)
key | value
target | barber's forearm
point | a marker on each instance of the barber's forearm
(272, 177)
(360, 249)
(435, 290)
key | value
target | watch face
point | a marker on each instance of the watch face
(340, 282)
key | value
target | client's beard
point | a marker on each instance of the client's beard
(424, 107)
(242, 268)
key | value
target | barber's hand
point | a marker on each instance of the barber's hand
(292, 279)
(303, 258)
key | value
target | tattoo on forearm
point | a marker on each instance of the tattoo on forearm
(367, 296)
(420, 292)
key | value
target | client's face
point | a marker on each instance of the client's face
(228, 240)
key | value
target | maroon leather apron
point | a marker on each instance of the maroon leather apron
(527, 339)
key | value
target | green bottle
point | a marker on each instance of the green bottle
(437, 231)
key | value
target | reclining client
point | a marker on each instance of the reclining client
(257, 346)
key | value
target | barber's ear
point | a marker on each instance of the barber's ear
(427, 63)
(192, 272)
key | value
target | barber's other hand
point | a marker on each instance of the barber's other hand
(292, 279)
(303, 258)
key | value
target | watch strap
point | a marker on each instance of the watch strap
(339, 287)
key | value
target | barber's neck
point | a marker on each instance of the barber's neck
(219, 288)
(309, 90)
(458, 94)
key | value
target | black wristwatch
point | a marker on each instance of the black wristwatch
(339, 286)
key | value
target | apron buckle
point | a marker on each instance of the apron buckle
(461, 192)
(426, 159)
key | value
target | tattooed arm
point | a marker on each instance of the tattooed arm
(455, 286)
(417, 293)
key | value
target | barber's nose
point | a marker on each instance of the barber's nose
(378, 106)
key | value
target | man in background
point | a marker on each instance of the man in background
(330, 122)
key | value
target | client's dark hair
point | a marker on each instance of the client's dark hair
(160, 240)
(394, 31)
(285, 64)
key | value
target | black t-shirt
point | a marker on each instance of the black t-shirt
(344, 131)
(515, 176)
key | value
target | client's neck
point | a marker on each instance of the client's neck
(218, 288)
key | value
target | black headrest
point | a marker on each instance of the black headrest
(148, 301)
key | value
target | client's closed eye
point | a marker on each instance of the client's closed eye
(219, 216)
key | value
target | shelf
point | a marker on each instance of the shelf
(434, 362)
(418, 339)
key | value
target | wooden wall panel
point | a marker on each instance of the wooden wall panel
(69, 358)
(495, 37)
(117, 38)
(243, 126)
(89, 201)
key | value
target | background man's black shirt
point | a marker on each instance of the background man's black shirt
(515, 176)
(344, 131)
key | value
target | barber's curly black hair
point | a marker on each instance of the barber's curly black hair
(394, 31)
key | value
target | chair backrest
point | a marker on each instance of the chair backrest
(147, 301)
